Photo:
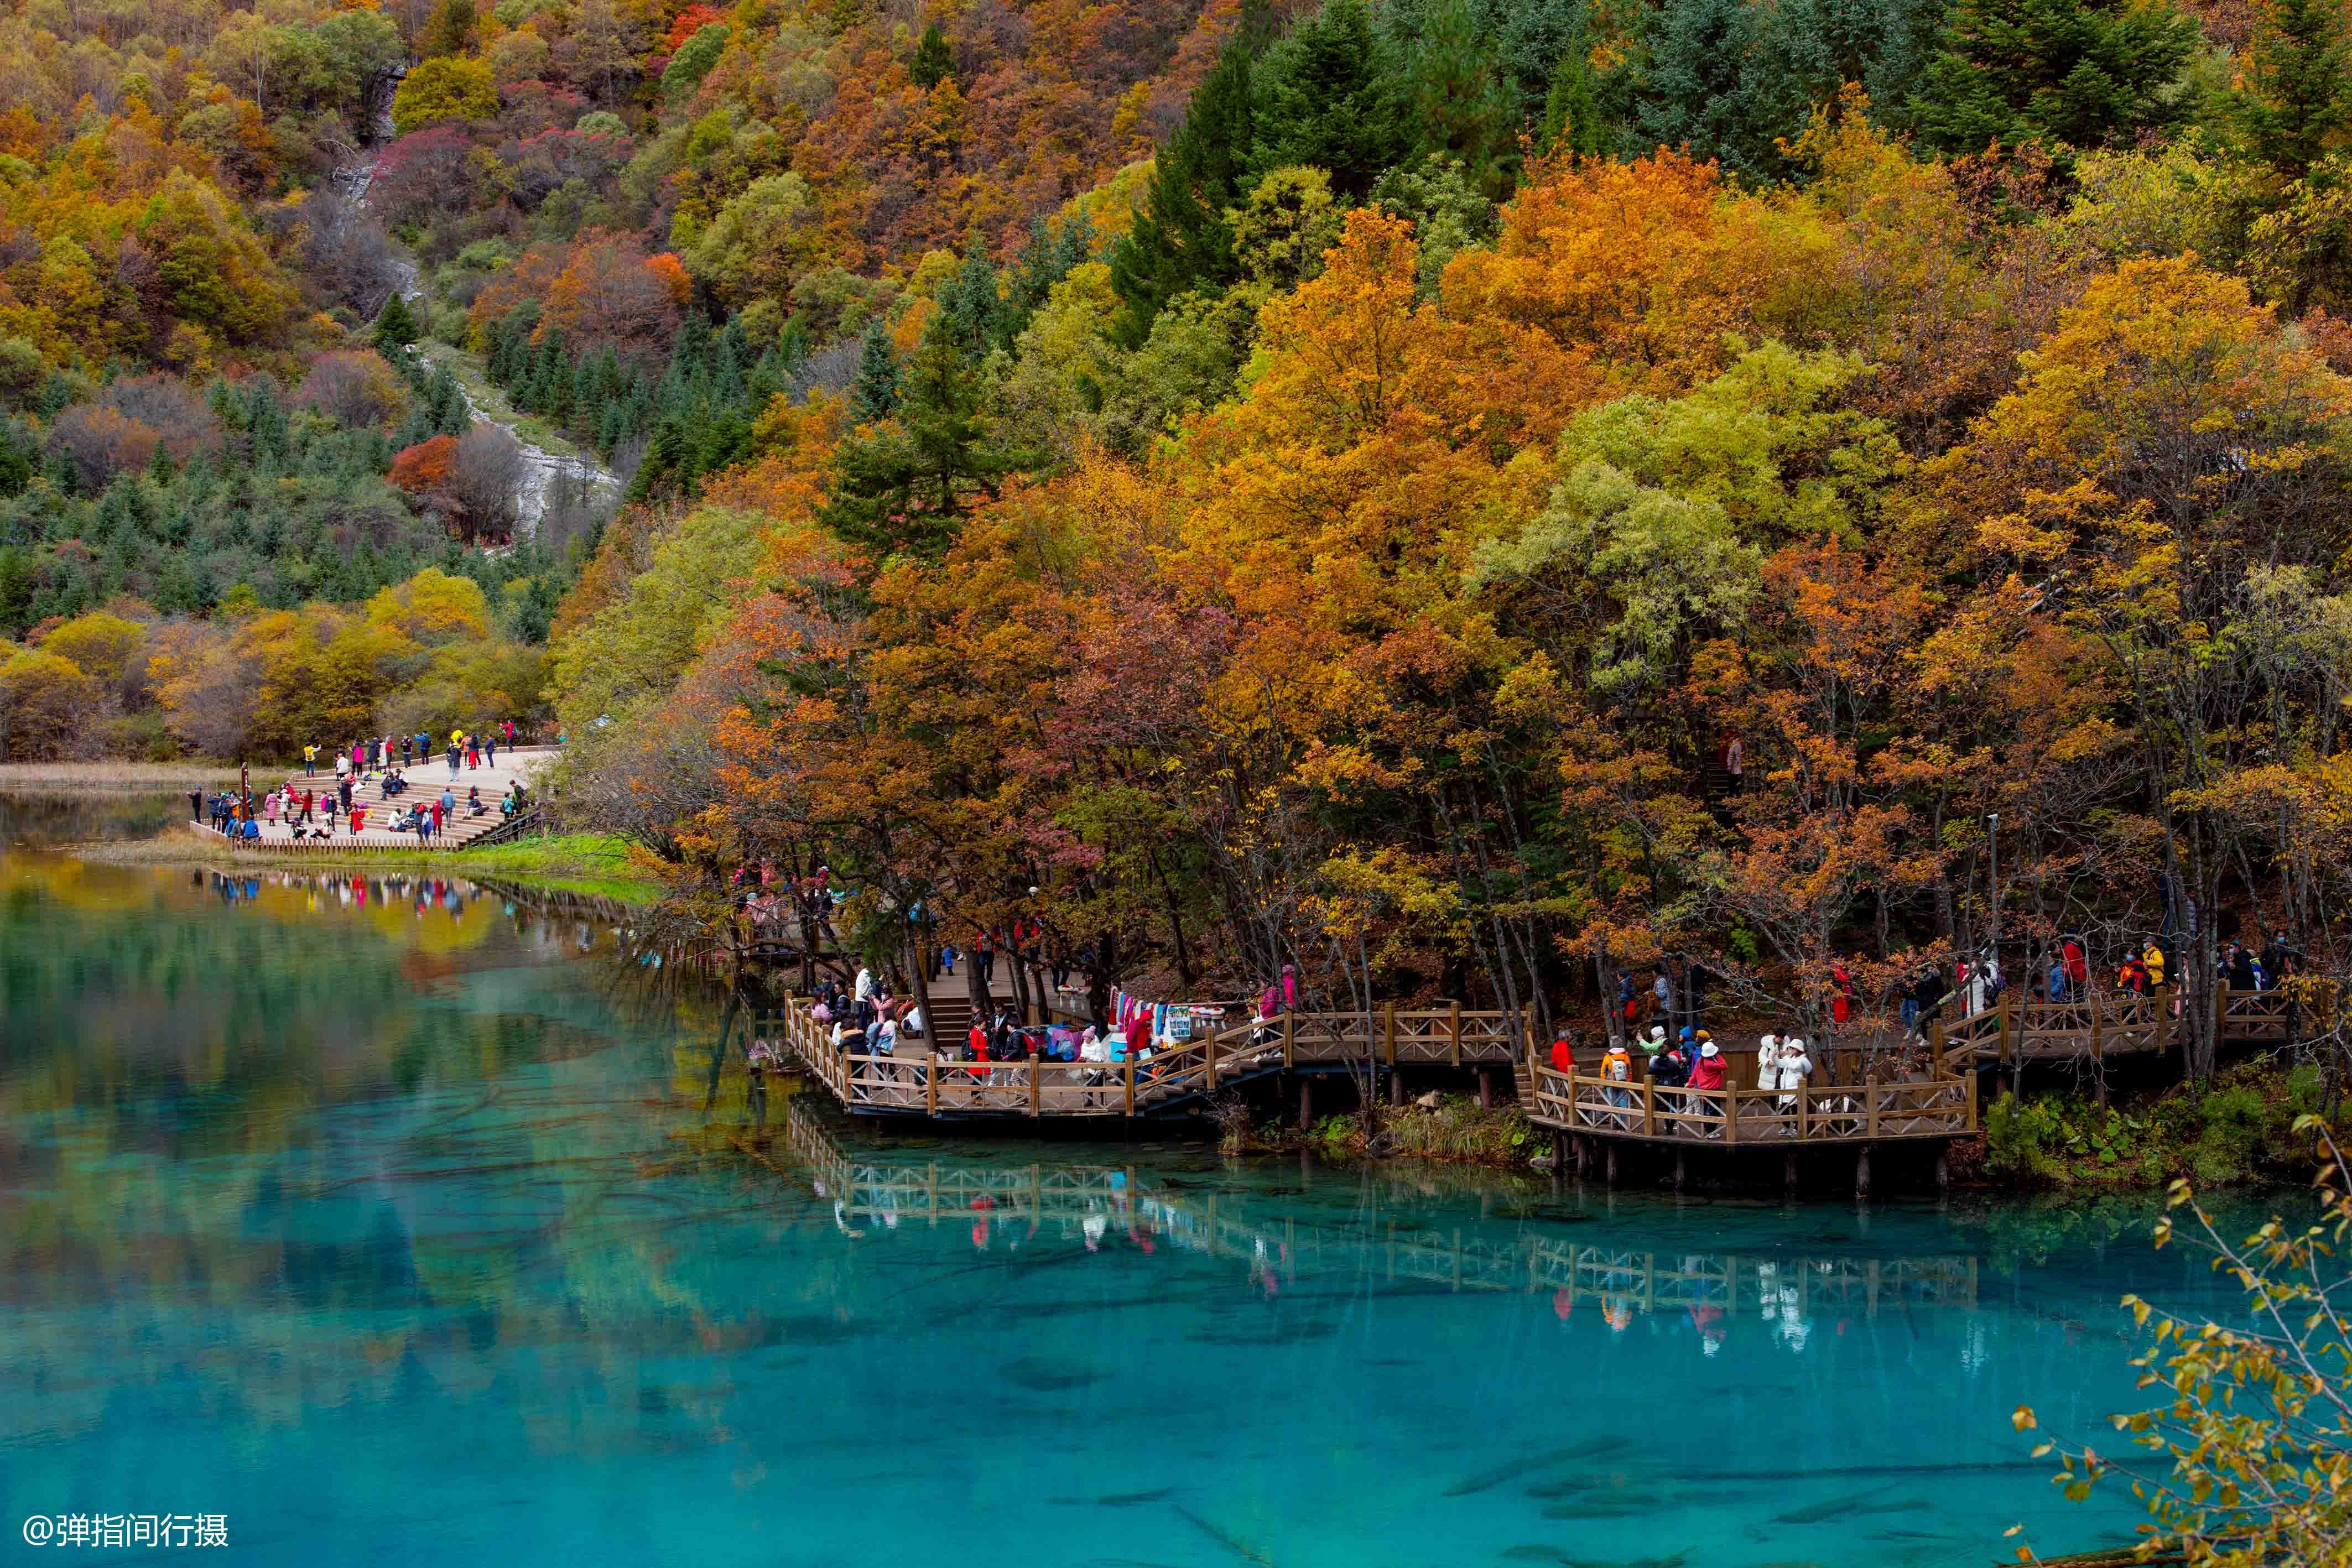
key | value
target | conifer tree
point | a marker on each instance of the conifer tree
(395, 327)
(875, 394)
(934, 61)
(2082, 73)
(1180, 240)
(1572, 117)
(1332, 94)
(2290, 102)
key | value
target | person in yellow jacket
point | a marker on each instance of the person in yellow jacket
(2153, 956)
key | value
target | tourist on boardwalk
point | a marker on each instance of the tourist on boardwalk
(2242, 973)
(1661, 997)
(1290, 988)
(407, 751)
(1563, 1058)
(311, 761)
(1628, 1001)
(1768, 1062)
(2133, 977)
(1707, 1072)
(343, 765)
(1617, 1068)
(490, 749)
(2153, 956)
(474, 806)
(343, 793)
(473, 752)
(1840, 994)
(864, 990)
(358, 821)
(2072, 952)
(454, 757)
(1795, 1067)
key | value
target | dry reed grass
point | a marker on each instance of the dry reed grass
(81, 777)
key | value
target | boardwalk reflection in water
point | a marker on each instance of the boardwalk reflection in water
(877, 1194)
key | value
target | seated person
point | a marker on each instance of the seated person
(474, 800)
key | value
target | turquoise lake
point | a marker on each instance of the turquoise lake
(395, 1223)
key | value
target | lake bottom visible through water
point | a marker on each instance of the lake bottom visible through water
(385, 1222)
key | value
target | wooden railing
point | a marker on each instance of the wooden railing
(1825, 1113)
(915, 1079)
(508, 832)
(2106, 1023)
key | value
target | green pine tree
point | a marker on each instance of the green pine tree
(1334, 95)
(908, 485)
(395, 327)
(2289, 102)
(1180, 240)
(2083, 73)
(934, 61)
(874, 396)
(1571, 113)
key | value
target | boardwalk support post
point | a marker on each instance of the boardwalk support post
(1305, 1103)
(1943, 1168)
(1613, 1162)
(1861, 1172)
(1788, 1172)
(1678, 1170)
(1486, 1085)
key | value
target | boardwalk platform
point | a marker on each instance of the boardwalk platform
(1176, 1083)
(427, 780)
(2107, 1024)
(1730, 1117)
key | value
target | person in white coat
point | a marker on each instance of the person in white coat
(865, 983)
(1795, 1068)
(1768, 1062)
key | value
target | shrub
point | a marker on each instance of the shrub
(2020, 1141)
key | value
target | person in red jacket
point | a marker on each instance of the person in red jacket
(1707, 1072)
(1562, 1059)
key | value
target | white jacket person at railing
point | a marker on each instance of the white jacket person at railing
(1768, 1062)
(1795, 1068)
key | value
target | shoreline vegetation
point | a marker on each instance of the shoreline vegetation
(113, 778)
(595, 863)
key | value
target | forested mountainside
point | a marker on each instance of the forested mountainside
(1279, 483)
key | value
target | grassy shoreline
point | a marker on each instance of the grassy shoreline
(113, 778)
(576, 862)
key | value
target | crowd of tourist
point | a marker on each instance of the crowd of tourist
(309, 811)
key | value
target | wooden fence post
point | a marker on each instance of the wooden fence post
(1208, 1055)
(1870, 1095)
(1731, 1113)
(1972, 1100)
(1129, 1063)
(2008, 1018)
(1036, 1084)
(931, 1087)
(1288, 1035)
(1457, 1025)
(1649, 1109)
(1388, 1029)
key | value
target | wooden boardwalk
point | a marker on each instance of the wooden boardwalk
(427, 780)
(1730, 1117)
(1178, 1080)
(2105, 1024)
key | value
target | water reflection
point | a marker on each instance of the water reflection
(370, 1200)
